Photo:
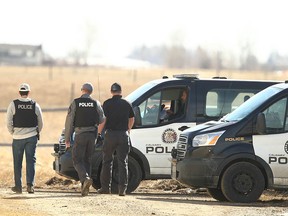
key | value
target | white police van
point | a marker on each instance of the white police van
(160, 116)
(240, 155)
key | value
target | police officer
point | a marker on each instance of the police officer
(84, 116)
(181, 106)
(24, 123)
(118, 123)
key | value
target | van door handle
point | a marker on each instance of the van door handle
(183, 128)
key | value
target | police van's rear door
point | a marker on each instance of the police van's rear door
(218, 97)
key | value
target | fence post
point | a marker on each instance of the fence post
(72, 92)
(50, 72)
(134, 76)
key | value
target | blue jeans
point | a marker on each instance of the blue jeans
(18, 147)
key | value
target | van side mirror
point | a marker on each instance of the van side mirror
(261, 124)
(137, 113)
(183, 128)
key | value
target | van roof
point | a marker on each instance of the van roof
(195, 77)
(283, 85)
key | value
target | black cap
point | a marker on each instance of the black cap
(116, 87)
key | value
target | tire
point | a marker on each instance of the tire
(134, 176)
(217, 194)
(242, 182)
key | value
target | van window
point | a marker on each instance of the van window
(162, 106)
(248, 107)
(276, 117)
(149, 109)
(241, 98)
(220, 102)
(144, 88)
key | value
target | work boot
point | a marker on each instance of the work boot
(16, 190)
(30, 189)
(103, 191)
(85, 187)
(122, 192)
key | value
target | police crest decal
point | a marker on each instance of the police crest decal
(286, 147)
(169, 136)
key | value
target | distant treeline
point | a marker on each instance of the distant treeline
(181, 57)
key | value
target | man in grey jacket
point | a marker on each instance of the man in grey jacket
(24, 123)
(84, 116)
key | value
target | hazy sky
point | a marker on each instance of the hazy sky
(115, 27)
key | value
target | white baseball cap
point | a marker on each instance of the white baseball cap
(24, 87)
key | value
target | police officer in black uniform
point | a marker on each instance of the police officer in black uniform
(118, 123)
(84, 116)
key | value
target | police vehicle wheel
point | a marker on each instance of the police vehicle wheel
(242, 182)
(134, 175)
(217, 194)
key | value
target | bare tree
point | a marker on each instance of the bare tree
(81, 54)
(248, 60)
(202, 58)
(176, 57)
(89, 41)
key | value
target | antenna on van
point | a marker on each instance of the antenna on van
(224, 99)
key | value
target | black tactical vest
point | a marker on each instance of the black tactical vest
(25, 115)
(86, 113)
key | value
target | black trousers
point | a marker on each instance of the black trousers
(82, 152)
(115, 141)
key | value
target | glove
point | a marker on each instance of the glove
(99, 138)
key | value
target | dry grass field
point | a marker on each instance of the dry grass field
(57, 86)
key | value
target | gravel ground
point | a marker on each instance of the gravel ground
(162, 197)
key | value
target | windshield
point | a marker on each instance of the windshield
(142, 89)
(250, 105)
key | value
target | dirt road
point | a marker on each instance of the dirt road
(57, 201)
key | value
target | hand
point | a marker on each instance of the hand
(68, 145)
(99, 140)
